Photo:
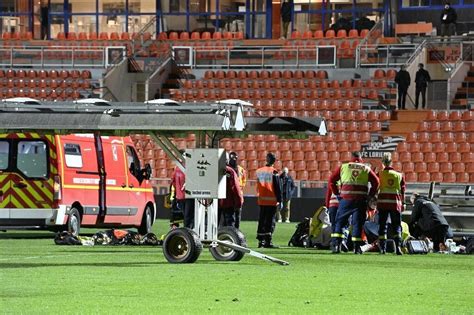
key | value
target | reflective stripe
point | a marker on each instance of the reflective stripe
(337, 235)
(356, 239)
(382, 237)
(353, 192)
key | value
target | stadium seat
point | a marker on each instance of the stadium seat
(432, 167)
(431, 116)
(353, 33)
(442, 157)
(408, 167)
(468, 115)
(467, 157)
(424, 177)
(449, 177)
(462, 178)
(436, 177)
(411, 177)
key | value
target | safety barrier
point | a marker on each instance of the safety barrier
(60, 56)
(255, 57)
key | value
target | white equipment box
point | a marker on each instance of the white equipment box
(205, 173)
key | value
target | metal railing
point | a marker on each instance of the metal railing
(60, 56)
(260, 57)
(386, 55)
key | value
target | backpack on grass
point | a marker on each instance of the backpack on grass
(301, 236)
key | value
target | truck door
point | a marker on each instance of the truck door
(135, 182)
(31, 185)
(5, 182)
(118, 196)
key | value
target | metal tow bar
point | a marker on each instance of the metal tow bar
(250, 252)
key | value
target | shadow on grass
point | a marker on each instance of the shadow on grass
(79, 264)
(39, 235)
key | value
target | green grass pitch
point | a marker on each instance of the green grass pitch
(38, 277)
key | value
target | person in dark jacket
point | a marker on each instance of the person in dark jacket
(287, 191)
(427, 219)
(403, 81)
(44, 19)
(285, 13)
(421, 81)
(448, 21)
(233, 200)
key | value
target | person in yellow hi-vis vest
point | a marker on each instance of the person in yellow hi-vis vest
(390, 202)
(242, 174)
(353, 195)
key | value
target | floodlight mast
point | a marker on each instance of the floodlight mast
(160, 119)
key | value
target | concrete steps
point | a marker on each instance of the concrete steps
(405, 121)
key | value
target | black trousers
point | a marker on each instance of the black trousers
(438, 235)
(226, 217)
(402, 97)
(266, 223)
(395, 217)
(237, 217)
(420, 90)
(189, 213)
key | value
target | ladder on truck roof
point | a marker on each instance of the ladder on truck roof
(160, 119)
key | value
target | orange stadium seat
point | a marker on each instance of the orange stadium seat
(411, 177)
(424, 177)
(449, 177)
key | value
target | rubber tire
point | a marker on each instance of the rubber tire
(73, 224)
(147, 222)
(182, 246)
(222, 253)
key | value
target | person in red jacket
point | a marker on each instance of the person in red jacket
(234, 197)
(353, 194)
(178, 180)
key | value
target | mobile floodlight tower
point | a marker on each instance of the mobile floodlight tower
(161, 119)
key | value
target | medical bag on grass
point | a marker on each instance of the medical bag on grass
(417, 247)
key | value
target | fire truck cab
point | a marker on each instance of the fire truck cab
(65, 182)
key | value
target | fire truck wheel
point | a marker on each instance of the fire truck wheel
(231, 235)
(74, 222)
(145, 226)
(182, 245)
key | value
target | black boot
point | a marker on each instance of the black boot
(383, 247)
(336, 246)
(261, 242)
(398, 250)
(268, 243)
(357, 248)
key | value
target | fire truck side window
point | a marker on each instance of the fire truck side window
(32, 159)
(4, 153)
(72, 154)
(133, 162)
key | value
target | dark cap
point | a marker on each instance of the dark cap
(356, 154)
(233, 156)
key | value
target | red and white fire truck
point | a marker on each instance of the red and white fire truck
(63, 182)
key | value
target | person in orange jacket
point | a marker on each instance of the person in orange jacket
(268, 198)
